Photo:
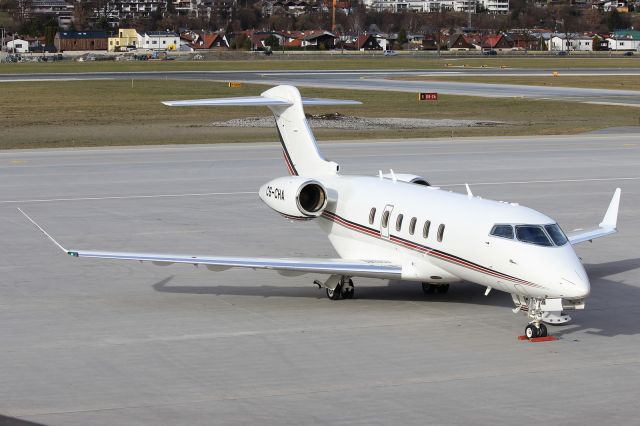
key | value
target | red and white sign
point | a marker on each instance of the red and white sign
(428, 96)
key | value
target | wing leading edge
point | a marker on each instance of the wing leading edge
(294, 266)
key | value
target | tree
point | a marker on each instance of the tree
(616, 21)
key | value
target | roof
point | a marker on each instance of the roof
(159, 34)
(81, 34)
(629, 34)
(362, 39)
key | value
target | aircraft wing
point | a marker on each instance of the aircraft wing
(608, 225)
(294, 266)
(286, 266)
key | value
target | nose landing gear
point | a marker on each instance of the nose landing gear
(535, 328)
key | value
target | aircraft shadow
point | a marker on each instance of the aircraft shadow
(394, 291)
(604, 319)
(12, 421)
(612, 306)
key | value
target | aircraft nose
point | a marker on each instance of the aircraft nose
(578, 282)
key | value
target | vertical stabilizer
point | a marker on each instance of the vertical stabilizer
(298, 143)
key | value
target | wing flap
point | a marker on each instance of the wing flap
(297, 266)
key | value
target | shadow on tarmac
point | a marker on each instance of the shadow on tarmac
(604, 319)
(12, 421)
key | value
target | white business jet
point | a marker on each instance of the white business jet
(398, 227)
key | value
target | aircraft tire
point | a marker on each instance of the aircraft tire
(335, 294)
(542, 331)
(531, 331)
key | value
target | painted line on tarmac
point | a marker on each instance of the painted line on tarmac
(206, 194)
(125, 197)
(523, 182)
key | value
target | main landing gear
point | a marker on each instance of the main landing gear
(429, 288)
(338, 287)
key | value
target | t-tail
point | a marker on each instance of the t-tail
(299, 146)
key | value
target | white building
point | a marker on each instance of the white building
(623, 43)
(493, 6)
(159, 40)
(575, 42)
(18, 46)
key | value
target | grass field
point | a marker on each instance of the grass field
(625, 82)
(327, 61)
(97, 113)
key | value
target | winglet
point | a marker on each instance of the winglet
(45, 233)
(611, 216)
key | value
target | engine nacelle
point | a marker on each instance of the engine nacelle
(295, 197)
(405, 177)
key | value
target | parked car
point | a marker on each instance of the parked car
(490, 52)
(390, 53)
(628, 54)
(562, 53)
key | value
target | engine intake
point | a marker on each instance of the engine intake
(295, 197)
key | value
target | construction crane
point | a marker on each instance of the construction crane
(333, 17)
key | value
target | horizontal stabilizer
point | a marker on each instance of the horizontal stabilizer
(259, 101)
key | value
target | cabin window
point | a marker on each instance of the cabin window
(372, 215)
(399, 222)
(425, 230)
(412, 225)
(502, 231)
(385, 219)
(440, 232)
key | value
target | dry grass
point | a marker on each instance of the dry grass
(96, 113)
(250, 62)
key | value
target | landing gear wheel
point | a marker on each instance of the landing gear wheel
(542, 331)
(442, 288)
(335, 294)
(427, 288)
(531, 331)
(348, 290)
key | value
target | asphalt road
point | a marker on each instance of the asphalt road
(378, 80)
(101, 342)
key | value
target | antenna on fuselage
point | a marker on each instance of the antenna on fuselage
(469, 193)
(393, 176)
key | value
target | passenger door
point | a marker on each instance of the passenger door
(385, 220)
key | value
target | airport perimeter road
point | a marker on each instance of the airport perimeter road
(378, 80)
(103, 342)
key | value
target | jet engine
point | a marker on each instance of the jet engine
(295, 197)
(405, 177)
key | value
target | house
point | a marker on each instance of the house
(319, 39)
(627, 40)
(158, 40)
(126, 37)
(366, 42)
(80, 40)
(18, 45)
(526, 41)
(458, 42)
(497, 42)
(199, 40)
(571, 42)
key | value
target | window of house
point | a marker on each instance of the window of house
(440, 232)
(412, 225)
(399, 222)
(425, 229)
(372, 215)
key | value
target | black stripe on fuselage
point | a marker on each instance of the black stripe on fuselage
(423, 249)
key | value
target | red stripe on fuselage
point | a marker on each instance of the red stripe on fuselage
(424, 249)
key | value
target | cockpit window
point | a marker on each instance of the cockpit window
(532, 234)
(502, 231)
(556, 234)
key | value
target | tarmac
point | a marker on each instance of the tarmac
(103, 342)
(381, 80)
